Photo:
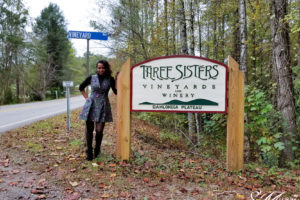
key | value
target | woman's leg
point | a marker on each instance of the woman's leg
(99, 136)
(89, 139)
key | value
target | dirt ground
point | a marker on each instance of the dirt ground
(44, 161)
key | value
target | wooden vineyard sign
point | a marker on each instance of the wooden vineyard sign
(179, 84)
(183, 84)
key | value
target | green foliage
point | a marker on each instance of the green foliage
(215, 125)
(8, 96)
(34, 147)
(213, 137)
(139, 159)
(13, 19)
(169, 121)
(76, 143)
(264, 125)
(169, 137)
(50, 29)
(296, 71)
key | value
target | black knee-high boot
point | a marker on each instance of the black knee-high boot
(99, 136)
(89, 140)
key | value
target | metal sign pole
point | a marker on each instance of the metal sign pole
(87, 62)
(68, 108)
(67, 85)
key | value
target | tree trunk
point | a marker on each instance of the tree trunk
(166, 26)
(253, 72)
(283, 74)
(215, 42)
(183, 34)
(222, 48)
(236, 37)
(243, 34)
(207, 39)
(198, 127)
(192, 48)
(173, 27)
(17, 77)
(192, 28)
(199, 30)
(184, 50)
(18, 87)
(298, 60)
(156, 13)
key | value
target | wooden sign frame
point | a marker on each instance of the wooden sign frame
(235, 118)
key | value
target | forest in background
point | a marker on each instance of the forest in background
(262, 36)
(34, 63)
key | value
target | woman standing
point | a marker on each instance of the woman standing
(97, 110)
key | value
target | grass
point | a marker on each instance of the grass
(76, 143)
(34, 146)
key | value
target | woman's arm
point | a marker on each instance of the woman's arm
(84, 94)
(83, 85)
(113, 85)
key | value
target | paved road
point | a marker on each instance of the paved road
(14, 116)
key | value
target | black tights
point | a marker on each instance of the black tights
(89, 138)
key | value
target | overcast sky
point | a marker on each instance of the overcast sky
(77, 14)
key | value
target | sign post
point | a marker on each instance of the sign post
(123, 112)
(87, 62)
(67, 85)
(88, 36)
(235, 118)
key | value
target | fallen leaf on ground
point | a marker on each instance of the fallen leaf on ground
(115, 195)
(74, 196)
(123, 194)
(146, 180)
(28, 184)
(101, 185)
(106, 195)
(35, 191)
(240, 196)
(60, 140)
(72, 170)
(152, 185)
(112, 165)
(69, 191)
(41, 181)
(74, 184)
(43, 196)
(113, 175)
(94, 164)
(183, 190)
(195, 191)
(15, 171)
(5, 163)
(13, 183)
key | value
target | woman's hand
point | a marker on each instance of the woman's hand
(84, 95)
(116, 76)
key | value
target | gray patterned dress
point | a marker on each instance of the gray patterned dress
(97, 106)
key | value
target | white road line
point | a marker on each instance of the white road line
(33, 118)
